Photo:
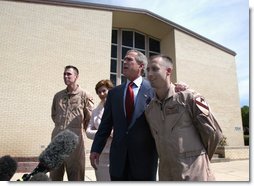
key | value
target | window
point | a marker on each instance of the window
(154, 47)
(124, 40)
(113, 63)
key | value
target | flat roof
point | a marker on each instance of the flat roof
(131, 10)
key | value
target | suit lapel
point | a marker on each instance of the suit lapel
(122, 102)
(141, 102)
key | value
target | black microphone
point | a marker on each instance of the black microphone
(61, 146)
(8, 167)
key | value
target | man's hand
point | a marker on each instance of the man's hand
(94, 159)
(181, 87)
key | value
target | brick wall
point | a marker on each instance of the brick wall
(211, 72)
(38, 41)
(233, 152)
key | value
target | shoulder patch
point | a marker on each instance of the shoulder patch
(202, 105)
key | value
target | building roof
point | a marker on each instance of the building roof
(80, 4)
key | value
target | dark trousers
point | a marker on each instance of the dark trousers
(128, 176)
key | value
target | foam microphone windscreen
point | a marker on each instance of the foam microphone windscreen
(8, 167)
(60, 148)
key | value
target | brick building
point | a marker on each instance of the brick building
(39, 38)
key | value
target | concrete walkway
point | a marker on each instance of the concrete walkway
(237, 170)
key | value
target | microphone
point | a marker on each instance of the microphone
(60, 148)
(8, 167)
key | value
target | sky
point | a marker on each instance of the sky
(225, 22)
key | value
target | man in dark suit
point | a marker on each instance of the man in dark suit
(133, 155)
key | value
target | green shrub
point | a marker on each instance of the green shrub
(223, 141)
(246, 140)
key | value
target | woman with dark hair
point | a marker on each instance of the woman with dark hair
(101, 88)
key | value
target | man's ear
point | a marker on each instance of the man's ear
(77, 77)
(141, 66)
(169, 70)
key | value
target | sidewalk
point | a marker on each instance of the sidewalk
(236, 170)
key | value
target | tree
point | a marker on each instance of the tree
(245, 119)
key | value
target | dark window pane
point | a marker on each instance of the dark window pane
(127, 38)
(124, 51)
(114, 36)
(123, 79)
(113, 51)
(152, 53)
(113, 65)
(144, 52)
(154, 45)
(113, 79)
(139, 41)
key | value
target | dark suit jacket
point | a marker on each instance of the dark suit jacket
(136, 140)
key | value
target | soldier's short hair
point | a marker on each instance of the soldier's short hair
(73, 67)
